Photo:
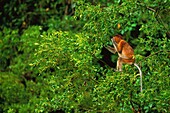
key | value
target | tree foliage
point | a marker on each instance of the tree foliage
(58, 63)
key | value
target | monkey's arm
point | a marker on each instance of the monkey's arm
(114, 44)
(111, 49)
(120, 46)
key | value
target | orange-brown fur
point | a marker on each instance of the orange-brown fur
(125, 51)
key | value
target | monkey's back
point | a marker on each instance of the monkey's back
(127, 50)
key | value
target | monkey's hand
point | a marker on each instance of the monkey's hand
(114, 43)
(111, 49)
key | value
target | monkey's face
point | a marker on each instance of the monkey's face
(116, 39)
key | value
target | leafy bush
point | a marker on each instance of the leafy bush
(21, 14)
(12, 91)
(62, 70)
(9, 39)
(28, 44)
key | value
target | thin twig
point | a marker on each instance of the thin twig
(154, 54)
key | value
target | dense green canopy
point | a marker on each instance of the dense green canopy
(53, 57)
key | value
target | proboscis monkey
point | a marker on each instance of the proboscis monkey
(126, 54)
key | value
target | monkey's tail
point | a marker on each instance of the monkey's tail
(140, 72)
